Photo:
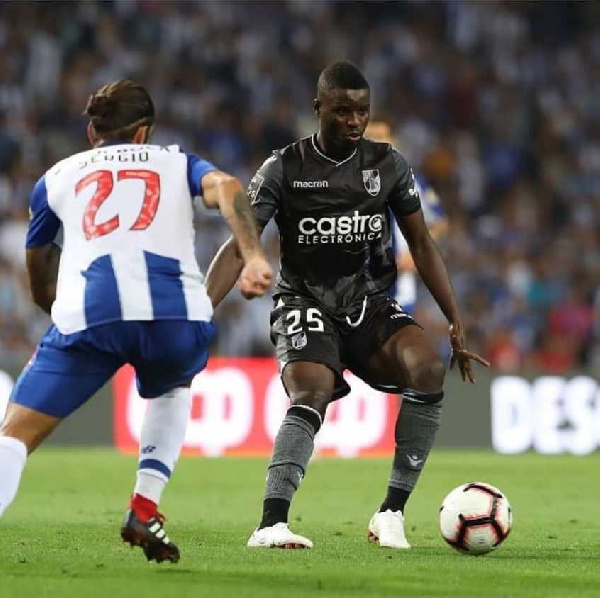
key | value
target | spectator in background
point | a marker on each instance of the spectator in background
(502, 117)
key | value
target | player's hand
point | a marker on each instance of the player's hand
(461, 355)
(255, 278)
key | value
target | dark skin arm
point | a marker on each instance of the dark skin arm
(432, 269)
(42, 268)
(223, 272)
(225, 192)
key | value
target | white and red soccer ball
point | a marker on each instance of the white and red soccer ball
(475, 518)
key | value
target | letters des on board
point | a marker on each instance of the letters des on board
(550, 414)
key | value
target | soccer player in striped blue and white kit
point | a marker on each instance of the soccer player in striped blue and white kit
(126, 288)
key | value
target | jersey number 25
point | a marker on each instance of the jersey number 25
(104, 185)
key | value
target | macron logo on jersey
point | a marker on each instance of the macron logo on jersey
(310, 184)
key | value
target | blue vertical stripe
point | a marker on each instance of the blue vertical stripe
(166, 288)
(102, 302)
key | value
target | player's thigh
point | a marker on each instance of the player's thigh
(64, 372)
(408, 360)
(307, 346)
(169, 353)
(392, 352)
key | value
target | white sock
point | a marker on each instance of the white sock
(149, 485)
(161, 440)
(13, 454)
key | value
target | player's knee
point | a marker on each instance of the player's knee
(315, 399)
(428, 375)
(28, 426)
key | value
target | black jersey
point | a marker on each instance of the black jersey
(334, 218)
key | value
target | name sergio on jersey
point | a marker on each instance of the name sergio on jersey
(340, 229)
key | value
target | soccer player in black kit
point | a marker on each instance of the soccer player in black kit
(331, 196)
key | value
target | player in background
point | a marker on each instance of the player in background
(126, 288)
(331, 196)
(405, 289)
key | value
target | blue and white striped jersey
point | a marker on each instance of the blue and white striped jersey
(126, 216)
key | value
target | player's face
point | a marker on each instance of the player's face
(344, 115)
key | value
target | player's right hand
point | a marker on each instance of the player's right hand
(461, 355)
(255, 278)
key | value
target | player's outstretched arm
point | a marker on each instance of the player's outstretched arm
(42, 268)
(223, 272)
(432, 269)
(223, 191)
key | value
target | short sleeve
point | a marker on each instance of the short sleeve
(264, 190)
(196, 169)
(404, 198)
(44, 224)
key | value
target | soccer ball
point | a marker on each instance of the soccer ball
(475, 518)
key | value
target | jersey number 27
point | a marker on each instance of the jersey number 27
(104, 185)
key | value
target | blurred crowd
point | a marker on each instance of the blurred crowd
(496, 103)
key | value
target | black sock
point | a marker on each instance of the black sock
(395, 500)
(275, 510)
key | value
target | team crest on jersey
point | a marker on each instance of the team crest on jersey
(255, 185)
(299, 341)
(372, 181)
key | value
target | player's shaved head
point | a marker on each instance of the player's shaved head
(340, 75)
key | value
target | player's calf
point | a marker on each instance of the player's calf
(13, 454)
(291, 452)
(21, 432)
(415, 431)
(160, 444)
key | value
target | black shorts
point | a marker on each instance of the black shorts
(302, 330)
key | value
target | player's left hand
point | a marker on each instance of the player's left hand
(461, 355)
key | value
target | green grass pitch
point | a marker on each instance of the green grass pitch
(60, 537)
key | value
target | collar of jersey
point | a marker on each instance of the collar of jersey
(115, 142)
(316, 148)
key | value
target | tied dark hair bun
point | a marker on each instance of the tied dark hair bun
(99, 105)
(118, 109)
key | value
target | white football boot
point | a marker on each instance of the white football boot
(277, 536)
(387, 529)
